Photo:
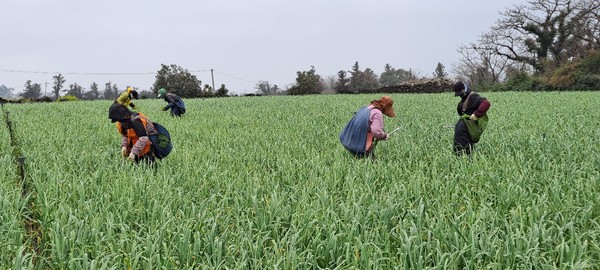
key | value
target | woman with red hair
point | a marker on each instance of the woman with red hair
(366, 126)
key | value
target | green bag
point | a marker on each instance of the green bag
(475, 127)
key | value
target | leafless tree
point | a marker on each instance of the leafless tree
(480, 65)
(329, 83)
(586, 30)
(545, 33)
(263, 88)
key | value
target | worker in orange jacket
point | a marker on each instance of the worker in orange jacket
(134, 128)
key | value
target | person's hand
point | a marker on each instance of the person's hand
(132, 156)
(124, 151)
(387, 137)
(473, 117)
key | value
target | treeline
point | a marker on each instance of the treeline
(539, 46)
(357, 81)
(173, 78)
(578, 75)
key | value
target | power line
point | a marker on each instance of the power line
(24, 71)
(241, 79)
(122, 74)
(117, 73)
(78, 73)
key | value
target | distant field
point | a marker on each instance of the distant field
(263, 183)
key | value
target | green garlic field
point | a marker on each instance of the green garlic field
(263, 183)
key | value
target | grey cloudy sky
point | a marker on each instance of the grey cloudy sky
(243, 41)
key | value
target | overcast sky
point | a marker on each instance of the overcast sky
(244, 41)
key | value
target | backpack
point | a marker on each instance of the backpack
(161, 141)
(354, 136)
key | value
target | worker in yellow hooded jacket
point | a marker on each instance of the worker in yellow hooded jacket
(126, 97)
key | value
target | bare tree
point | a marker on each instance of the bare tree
(264, 88)
(539, 34)
(329, 83)
(586, 30)
(480, 66)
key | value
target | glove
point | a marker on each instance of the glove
(387, 137)
(473, 117)
(132, 156)
(124, 151)
(132, 106)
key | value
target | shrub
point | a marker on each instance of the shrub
(67, 98)
(580, 75)
(520, 82)
(587, 82)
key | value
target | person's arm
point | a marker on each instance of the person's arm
(170, 99)
(124, 141)
(481, 110)
(124, 146)
(484, 106)
(171, 102)
(143, 139)
(169, 106)
(376, 119)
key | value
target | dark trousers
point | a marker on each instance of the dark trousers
(462, 140)
(176, 111)
(149, 159)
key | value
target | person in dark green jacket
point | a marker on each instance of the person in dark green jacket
(175, 103)
(472, 111)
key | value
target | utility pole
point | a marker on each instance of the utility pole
(213, 79)
(45, 86)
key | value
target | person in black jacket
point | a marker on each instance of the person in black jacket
(471, 107)
(175, 103)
